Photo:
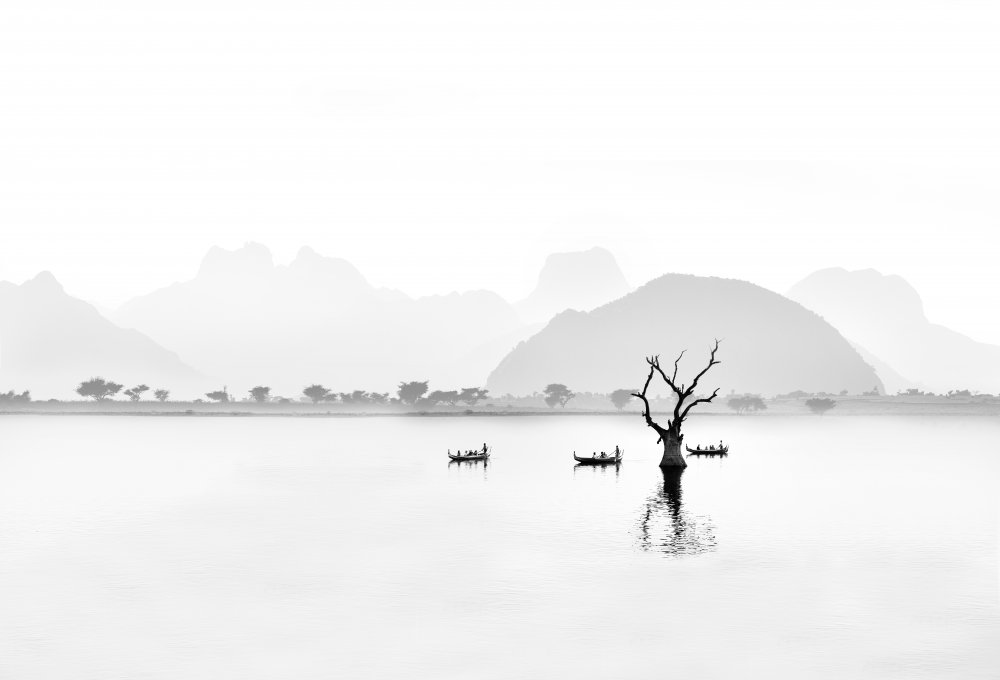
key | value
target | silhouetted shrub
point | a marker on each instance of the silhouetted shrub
(410, 392)
(449, 397)
(316, 393)
(473, 395)
(98, 389)
(557, 393)
(621, 398)
(820, 406)
(135, 393)
(11, 397)
(260, 393)
(747, 403)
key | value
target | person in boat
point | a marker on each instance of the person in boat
(720, 445)
(618, 451)
(699, 447)
(484, 447)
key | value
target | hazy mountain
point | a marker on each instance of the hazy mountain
(248, 321)
(886, 316)
(50, 342)
(770, 344)
(581, 280)
(891, 379)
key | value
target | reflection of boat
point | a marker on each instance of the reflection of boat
(477, 455)
(613, 459)
(724, 451)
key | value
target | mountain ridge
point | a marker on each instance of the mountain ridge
(579, 280)
(318, 319)
(770, 344)
(50, 341)
(885, 315)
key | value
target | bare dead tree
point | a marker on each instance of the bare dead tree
(670, 435)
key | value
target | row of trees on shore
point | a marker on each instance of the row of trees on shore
(100, 389)
(13, 397)
(414, 393)
(417, 394)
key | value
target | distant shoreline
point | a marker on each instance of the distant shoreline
(845, 407)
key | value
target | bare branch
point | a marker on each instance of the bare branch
(642, 395)
(681, 408)
(703, 400)
(670, 383)
(677, 362)
(653, 366)
(711, 362)
(677, 409)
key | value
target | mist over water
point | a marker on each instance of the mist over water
(826, 547)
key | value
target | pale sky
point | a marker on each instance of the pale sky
(452, 145)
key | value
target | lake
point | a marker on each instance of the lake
(207, 548)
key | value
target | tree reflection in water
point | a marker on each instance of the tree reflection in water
(667, 528)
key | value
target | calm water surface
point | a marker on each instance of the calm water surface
(208, 548)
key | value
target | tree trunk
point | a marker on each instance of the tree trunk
(673, 457)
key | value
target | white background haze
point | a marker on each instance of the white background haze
(446, 145)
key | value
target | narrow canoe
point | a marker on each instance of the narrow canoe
(478, 456)
(708, 452)
(590, 460)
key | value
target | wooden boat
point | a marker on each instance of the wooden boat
(597, 460)
(476, 455)
(708, 452)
